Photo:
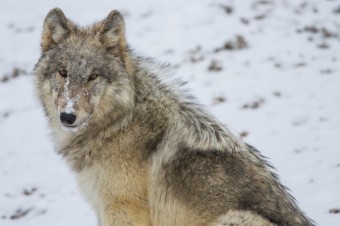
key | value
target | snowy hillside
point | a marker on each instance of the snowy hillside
(268, 69)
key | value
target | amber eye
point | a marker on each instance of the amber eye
(63, 72)
(93, 76)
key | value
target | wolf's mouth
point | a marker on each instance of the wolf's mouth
(73, 128)
(70, 126)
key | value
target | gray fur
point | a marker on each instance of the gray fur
(145, 152)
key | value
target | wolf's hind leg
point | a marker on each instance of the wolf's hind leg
(242, 218)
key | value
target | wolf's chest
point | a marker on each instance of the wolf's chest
(104, 183)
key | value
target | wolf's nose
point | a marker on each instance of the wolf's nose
(68, 119)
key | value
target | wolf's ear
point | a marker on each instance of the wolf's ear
(112, 35)
(55, 29)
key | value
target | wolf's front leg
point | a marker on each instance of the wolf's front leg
(125, 214)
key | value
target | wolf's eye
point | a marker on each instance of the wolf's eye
(63, 72)
(93, 76)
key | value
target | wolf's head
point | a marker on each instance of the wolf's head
(84, 73)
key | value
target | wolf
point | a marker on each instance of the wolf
(144, 152)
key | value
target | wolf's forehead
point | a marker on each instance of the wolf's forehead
(82, 46)
(81, 51)
(81, 58)
(81, 67)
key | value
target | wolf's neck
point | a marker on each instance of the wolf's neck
(187, 121)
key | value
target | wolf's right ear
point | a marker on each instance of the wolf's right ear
(55, 29)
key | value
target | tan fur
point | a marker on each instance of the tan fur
(242, 218)
(144, 153)
(116, 203)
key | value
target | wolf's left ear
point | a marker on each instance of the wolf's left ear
(55, 29)
(112, 35)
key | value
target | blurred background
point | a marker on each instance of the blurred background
(267, 69)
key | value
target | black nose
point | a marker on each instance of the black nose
(68, 119)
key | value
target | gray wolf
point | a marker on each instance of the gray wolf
(144, 152)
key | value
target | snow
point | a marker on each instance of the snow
(70, 102)
(281, 91)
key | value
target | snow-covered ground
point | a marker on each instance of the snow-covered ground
(268, 69)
